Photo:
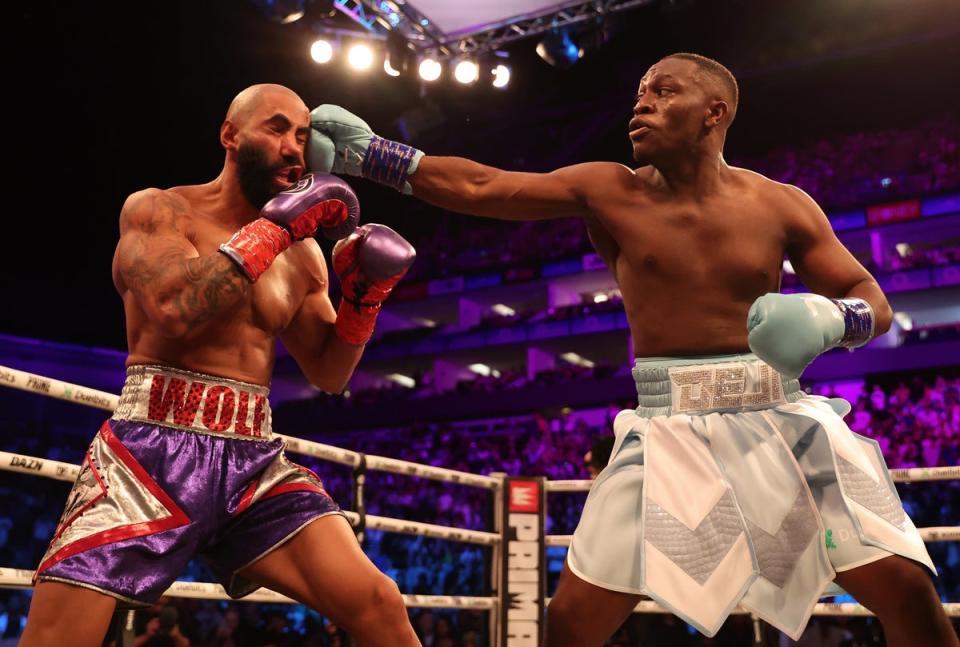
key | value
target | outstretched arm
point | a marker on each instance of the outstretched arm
(341, 142)
(461, 185)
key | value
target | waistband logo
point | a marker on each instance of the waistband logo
(724, 386)
(223, 407)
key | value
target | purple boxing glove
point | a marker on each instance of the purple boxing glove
(316, 202)
(369, 264)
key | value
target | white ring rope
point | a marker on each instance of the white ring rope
(419, 528)
(912, 474)
(68, 472)
(59, 390)
(38, 466)
(909, 475)
(21, 578)
(820, 609)
(932, 534)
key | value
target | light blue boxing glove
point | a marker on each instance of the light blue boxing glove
(788, 331)
(320, 153)
(347, 144)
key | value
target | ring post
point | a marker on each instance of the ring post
(522, 580)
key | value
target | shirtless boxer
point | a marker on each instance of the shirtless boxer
(211, 275)
(727, 485)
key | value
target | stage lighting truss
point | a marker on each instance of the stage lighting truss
(402, 29)
(382, 16)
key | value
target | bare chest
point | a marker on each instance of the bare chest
(276, 296)
(731, 245)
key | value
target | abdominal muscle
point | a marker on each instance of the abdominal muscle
(236, 348)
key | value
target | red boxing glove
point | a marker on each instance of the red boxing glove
(255, 246)
(369, 263)
(316, 202)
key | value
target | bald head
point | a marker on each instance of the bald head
(258, 97)
(265, 134)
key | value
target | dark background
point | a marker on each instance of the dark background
(107, 98)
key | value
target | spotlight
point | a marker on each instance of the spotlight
(430, 69)
(321, 51)
(501, 75)
(389, 69)
(360, 56)
(466, 71)
(558, 50)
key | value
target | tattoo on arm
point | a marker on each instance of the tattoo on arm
(158, 266)
(214, 284)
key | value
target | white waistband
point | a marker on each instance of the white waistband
(667, 386)
(194, 402)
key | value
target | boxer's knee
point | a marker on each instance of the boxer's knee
(892, 587)
(564, 626)
(379, 602)
(908, 590)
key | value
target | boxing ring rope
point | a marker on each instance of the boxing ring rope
(23, 579)
(57, 389)
(108, 402)
(20, 578)
(937, 533)
(910, 475)
(820, 609)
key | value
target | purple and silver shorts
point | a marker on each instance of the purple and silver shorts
(187, 466)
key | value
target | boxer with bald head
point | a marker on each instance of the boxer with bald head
(727, 485)
(211, 276)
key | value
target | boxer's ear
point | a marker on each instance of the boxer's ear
(229, 135)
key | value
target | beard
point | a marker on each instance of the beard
(256, 175)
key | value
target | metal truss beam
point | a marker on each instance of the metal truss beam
(522, 27)
(378, 17)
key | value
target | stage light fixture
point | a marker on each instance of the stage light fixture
(557, 49)
(398, 54)
(430, 69)
(501, 75)
(321, 51)
(466, 71)
(360, 56)
(389, 69)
